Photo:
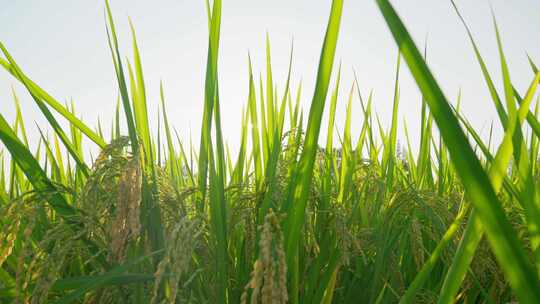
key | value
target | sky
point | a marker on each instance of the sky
(62, 45)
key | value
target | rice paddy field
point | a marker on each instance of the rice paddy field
(291, 217)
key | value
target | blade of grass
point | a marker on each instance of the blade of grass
(12, 67)
(31, 168)
(304, 172)
(118, 66)
(209, 96)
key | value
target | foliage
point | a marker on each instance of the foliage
(149, 220)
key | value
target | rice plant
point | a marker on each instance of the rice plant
(151, 219)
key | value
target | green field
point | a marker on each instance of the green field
(292, 217)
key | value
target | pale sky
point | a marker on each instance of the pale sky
(62, 45)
